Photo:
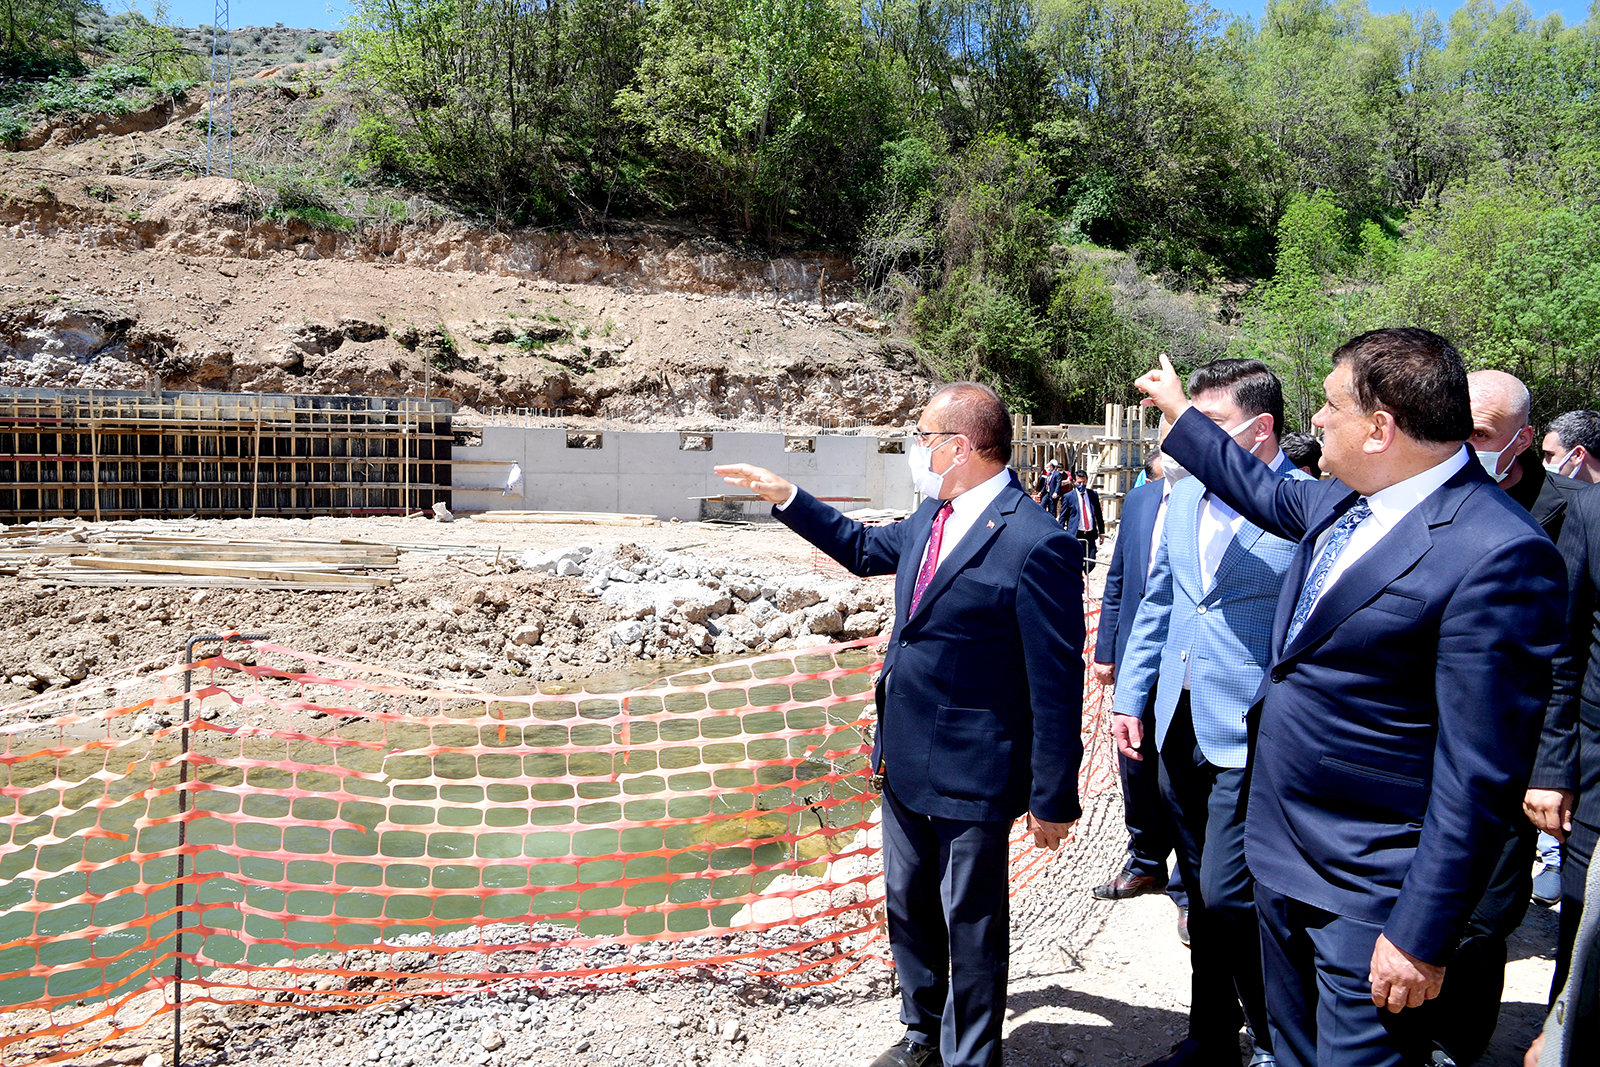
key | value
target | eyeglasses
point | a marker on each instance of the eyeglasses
(921, 436)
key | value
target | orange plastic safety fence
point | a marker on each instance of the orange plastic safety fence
(332, 834)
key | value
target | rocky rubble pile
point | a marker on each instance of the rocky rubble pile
(549, 616)
(671, 605)
(717, 1014)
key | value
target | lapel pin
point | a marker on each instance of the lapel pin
(991, 524)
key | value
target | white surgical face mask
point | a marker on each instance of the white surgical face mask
(1491, 461)
(1173, 471)
(1556, 467)
(920, 459)
(1237, 430)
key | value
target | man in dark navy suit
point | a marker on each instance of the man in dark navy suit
(1151, 834)
(1051, 499)
(1080, 511)
(1397, 724)
(979, 709)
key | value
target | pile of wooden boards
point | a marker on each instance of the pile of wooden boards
(75, 555)
(576, 518)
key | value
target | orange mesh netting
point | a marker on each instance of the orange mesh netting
(332, 834)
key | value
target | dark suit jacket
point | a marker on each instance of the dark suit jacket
(1130, 566)
(1395, 735)
(1577, 668)
(981, 698)
(1097, 521)
(1052, 486)
(1546, 496)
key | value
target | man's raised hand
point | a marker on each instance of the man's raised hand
(1164, 389)
(762, 482)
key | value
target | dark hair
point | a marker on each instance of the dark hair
(978, 412)
(1080, 474)
(1248, 381)
(1416, 376)
(1150, 462)
(1576, 428)
(1302, 449)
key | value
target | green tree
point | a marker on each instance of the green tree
(1294, 322)
(752, 100)
(151, 44)
(41, 36)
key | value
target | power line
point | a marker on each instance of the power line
(219, 143)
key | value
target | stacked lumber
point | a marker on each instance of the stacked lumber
(133, 557)
(576, 518)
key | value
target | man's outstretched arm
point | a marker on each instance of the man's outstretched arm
(862, 550)
(1278, 505)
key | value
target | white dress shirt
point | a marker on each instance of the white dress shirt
(1388, 506)
(964, 512)
(1155, 531)
(1219, 525)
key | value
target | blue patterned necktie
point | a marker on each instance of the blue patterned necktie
(1343, 530)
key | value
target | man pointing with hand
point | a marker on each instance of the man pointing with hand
(979, 709)
(1399, 716)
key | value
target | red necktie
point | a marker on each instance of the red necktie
(931, 563)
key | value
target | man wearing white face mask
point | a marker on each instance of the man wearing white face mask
(1572, 446)
(1201, 641)
(979, 709)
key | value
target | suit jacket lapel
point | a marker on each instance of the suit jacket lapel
(990, 521)
(1394, 554)
(1245, 540)
(1397, 552)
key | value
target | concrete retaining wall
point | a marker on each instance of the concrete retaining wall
(650, 473)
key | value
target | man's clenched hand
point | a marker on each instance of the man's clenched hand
(1400, 980)
(1550, 810)
(1128, 732)
(1048, 834)
(1164, 389)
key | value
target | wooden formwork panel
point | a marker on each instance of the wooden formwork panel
(104, 454)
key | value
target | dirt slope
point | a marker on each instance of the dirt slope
(117, 264)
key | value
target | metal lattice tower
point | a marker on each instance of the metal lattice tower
(219, 142)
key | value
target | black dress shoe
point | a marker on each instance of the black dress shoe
(1183, 924)
(1191, 1053)
(908, 1053)
(1127, 884)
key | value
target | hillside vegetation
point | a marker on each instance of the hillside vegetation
(981, 162)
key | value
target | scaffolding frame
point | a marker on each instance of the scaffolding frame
(113, 454)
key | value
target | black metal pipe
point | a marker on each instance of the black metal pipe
(183, 836)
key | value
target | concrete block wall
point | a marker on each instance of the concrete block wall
(649, 473)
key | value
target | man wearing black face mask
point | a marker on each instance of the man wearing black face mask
(979, 709)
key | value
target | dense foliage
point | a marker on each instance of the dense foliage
(1014, 176)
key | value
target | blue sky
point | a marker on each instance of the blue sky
(329, 14)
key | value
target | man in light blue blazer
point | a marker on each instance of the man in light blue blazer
(1201, 642)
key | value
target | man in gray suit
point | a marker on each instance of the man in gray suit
(1201, 642)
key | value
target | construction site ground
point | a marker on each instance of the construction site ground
(1095, 983)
